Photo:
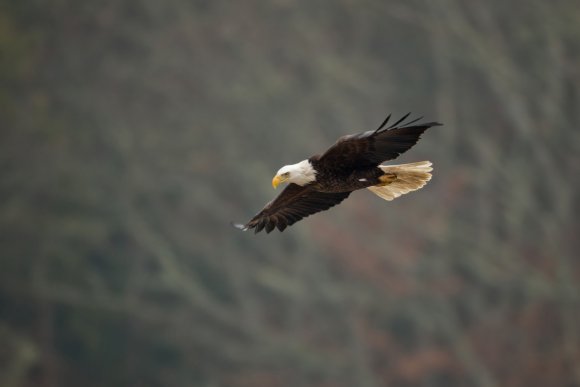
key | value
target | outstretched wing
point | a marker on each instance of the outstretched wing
(294, 203)
(373, 147)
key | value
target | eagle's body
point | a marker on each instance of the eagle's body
(353, 163)
(327, 180)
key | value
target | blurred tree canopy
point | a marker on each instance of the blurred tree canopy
(133, 131)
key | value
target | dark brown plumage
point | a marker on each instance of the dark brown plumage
(352, 163)
(293, 204)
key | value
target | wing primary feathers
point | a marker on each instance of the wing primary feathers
(397, 123)
(413, 121)
(293, 204)
(260, 226)
(270, 224)
(384, 123)
(400, 120)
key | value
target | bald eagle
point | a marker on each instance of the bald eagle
(352, 163)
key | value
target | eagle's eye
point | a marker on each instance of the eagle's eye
(286, 174)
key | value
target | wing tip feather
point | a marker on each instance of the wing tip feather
(239, 226)
(383, 123)
(400, 123)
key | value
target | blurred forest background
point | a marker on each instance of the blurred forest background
(133, 131)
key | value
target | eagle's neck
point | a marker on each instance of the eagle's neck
(304, 173)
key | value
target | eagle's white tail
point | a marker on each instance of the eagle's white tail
(403, 178)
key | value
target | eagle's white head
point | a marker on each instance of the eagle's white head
(301, 173)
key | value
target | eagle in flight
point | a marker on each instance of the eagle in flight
(352, 163)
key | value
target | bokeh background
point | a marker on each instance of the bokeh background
(133, 131)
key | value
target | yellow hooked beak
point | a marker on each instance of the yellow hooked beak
(277, 180)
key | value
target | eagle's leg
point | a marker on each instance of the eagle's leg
(387, 179)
